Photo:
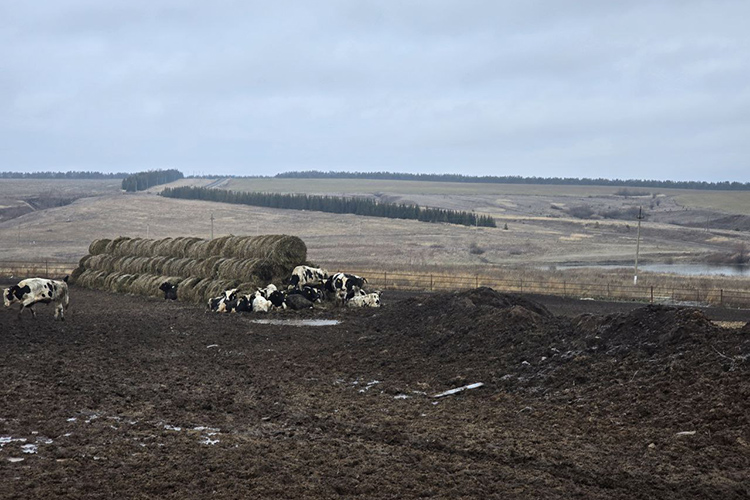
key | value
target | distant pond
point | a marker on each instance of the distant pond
(684, 269)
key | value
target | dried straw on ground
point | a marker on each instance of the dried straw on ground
(202, 268)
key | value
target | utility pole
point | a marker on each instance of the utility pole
(212, 225)
(638, 245)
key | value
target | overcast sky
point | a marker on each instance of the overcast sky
(589, 88)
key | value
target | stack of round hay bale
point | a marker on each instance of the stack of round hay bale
(201, 268)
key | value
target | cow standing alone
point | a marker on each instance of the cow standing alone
(35, 290)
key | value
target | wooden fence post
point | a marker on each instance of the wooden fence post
(652, 294)
(46, 268)
(476, 280)
(565, 289)
(385, 279)
(721, 297)
(430, 282)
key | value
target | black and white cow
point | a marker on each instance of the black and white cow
(170, 290)
(305, 275)
(310, 293)
(271, 294)
(262, 300)
(344, 286)
(227, 302)
(298, 301)
(367, 300)
(35, 290)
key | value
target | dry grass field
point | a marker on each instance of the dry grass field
(539, 235)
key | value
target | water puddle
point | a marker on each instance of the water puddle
(297, 322)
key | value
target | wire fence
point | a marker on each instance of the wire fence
(598, 291)
(387, 280)
(39, 269)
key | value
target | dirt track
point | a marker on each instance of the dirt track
(134, 397)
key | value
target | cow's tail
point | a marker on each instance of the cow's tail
(66, 296)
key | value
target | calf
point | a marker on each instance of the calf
(344, 286)
(35, 290)
(298, 301)
(369, 300)
(261, 304)
(267, 291)
(170, 290)
(227, 302)
(304, 275)
(308, 292)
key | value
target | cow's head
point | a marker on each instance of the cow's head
(7, 297)
(277, 298)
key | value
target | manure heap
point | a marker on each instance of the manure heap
(201, 268)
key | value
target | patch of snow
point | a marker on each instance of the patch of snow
(29, 448)
(209, 441)
(172, 427)
(297, 322)
(15, 459)
(401, 396)
(459, 389)
(9, 439)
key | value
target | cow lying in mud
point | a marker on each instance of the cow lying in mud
(35, 290)
(366, 300)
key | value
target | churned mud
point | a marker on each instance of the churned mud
(133, 397)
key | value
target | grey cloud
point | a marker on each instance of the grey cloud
(619, 89)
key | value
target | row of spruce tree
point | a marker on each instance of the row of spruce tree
(144, 180)
(332, 204)
(517, 179)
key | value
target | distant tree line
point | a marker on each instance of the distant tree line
(332, 204)
(62, 175)
(516, 179)
(144, 180)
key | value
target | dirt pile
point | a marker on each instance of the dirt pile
(518, 344)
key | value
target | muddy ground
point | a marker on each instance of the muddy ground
(133, 397)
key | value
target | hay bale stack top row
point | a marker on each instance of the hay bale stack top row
(202, 268)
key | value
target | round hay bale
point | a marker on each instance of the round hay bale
(98, 246)
(91, 278)
(161, 248)
(156, 265)
(145, 248)
(125, 247)
(100, 262)
(113, 245)
(84, 260)
(198, 250)
(206, 268)
(186, 290)
(216, 246)
(123, 282)
(179, 266)
(199, 291)
(144, 284)
(73, 279)
(281, 248)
